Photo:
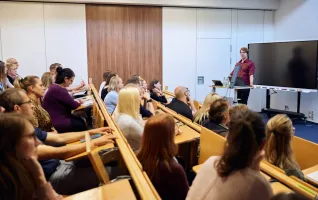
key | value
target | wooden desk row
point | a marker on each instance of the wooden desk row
(141, 181)
(119, 189)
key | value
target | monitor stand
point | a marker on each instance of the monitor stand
(293, 115)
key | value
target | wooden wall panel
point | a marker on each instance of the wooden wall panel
(124, 39)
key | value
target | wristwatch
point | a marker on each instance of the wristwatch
(150, 100)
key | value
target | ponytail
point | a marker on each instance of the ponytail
(25, 82)
(62, 73)
(245, 138)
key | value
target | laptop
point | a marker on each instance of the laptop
(217, 83)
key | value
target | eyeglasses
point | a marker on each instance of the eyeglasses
(27, 102)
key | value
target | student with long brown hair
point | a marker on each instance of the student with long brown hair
(157, 156)
(235, 174)
(35, 91)
(279, 133)
(21, 175)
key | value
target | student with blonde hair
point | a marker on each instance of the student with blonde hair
(279, 133)
(203, 113)
(111, 99)
(12, 66)
(128, 118)
(47, 80)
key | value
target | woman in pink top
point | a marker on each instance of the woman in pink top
(235, 175)
(21, 175)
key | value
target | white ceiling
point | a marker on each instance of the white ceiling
(238, 4)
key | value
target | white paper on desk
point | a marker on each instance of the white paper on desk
(79, 93)
(88, 103)
(313, 175)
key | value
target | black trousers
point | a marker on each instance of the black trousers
(242, 96)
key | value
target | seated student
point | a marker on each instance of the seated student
(111, 99)
(3, 77)
(59, 104)
(156, 92)
(47, 80)
(35, 90)
(279, 133)
(53, 69)
(102, 85)
(203, 113)
(238, 108)
(12, 66)
(235, 174)
(218, 117)
(65, 177)
(105, 89)
(128, 118)
(4, 81)
(21, 175)
(182, 103)
(146, 108)
(157, 157)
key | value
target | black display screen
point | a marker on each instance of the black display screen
(285, 64)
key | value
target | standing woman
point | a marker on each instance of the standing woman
(21, 175)
(157, 157)
(59, 104)
(279, 133)
(12, 66)
(35, 91)
(156, 92)
(235, 175)
(111, 99)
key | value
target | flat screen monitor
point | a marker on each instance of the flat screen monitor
(285, 64)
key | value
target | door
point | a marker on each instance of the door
(213, 63)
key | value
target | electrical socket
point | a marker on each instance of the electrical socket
(286, 108)
(311, 115)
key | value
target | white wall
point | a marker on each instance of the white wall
(296, 20)
(38, 35)
(179, 47)
(241, 4)
(213, 32)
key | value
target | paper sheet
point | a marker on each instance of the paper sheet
(313, 175)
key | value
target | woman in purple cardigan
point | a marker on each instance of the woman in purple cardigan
(59, 104)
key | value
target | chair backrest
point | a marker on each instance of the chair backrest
(305, 152)
(211, 144)
(196, 104)
(155, 104)
(100, 122)
(96, 160)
